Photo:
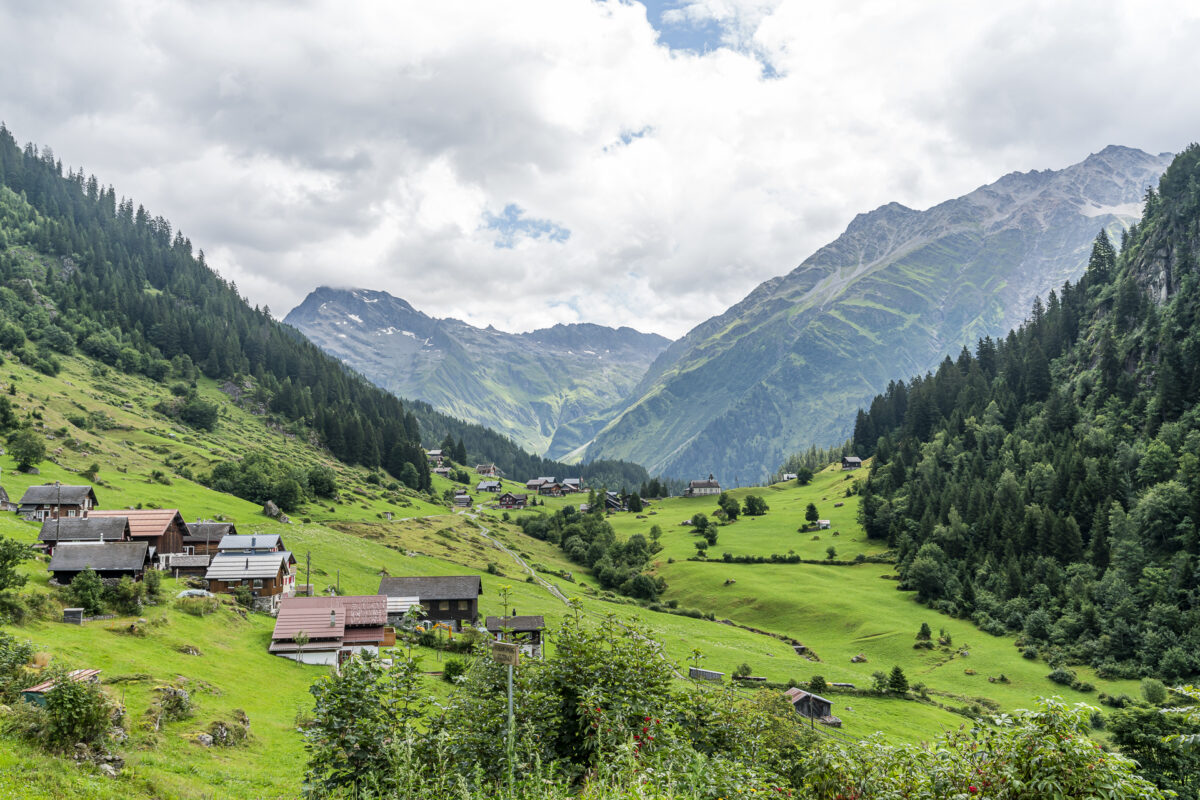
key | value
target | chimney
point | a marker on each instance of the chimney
(333, 618)
(247, 563)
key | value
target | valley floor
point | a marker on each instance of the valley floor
(836, 610)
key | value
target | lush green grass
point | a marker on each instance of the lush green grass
(837, 611)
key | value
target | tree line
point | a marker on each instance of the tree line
(1049, 482)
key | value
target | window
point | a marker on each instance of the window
(189, 551)
(443, 605)
(258, 583)
(72, 513)
(463, 605)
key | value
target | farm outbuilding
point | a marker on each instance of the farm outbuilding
(812, 706)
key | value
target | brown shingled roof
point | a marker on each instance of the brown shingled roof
(145, 521)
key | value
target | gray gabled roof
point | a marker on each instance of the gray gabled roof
(239, 566)
(84, 529)
(255, 542)
(50, 495)
(107, 557)
(208, 531)
(450, 587)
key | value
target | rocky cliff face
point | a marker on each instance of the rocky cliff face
(525, 385)
(790, 364)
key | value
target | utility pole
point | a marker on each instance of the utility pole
(308, 571)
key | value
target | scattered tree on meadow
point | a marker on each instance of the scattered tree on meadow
(755, 506)
(729, 504)
(27, 448)
(811, 515)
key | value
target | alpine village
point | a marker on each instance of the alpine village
(365, 553)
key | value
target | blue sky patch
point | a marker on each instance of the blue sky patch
(511, 224)
(685, 35)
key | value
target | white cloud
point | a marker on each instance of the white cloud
(370, 145)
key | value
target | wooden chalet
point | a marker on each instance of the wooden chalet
(58, 530)
(335, 628)
(161, 528)
(5, 503)
(705, 487)
(451, 600)
(614, 502)
(52, 500)
(487, 470)
(268, 576)
(488, 486)
(533, 484)
(510, 500)
(851, 462)
(202, 538)
(812, 706)
(442, 471)
(110, 560)
(572, 485)
(525, 631)
(552, 489)
(436, 457)
(462, 500)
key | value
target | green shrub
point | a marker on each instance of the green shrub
(453, 669)
(76, 711)
(1063, 676)
(87, 592)
(197, 606)
(1154, 691)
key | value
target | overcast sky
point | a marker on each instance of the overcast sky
(522, 163)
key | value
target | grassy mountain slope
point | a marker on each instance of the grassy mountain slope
(899, 289)
(1050, 483)
(836, 611)
(524, 385)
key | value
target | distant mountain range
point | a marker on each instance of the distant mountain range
(789, 365)
(524, 385)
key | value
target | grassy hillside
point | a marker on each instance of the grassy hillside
(837, 611)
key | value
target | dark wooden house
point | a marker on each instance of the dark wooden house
(161, 528)
(53, 500)
(203, 538)
(452, 599)
(510, 500)
(109, 560)
(81, 529)
(268, 576)
(851, 462)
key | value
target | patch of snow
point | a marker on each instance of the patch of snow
(1121, 210)
(388, 331)
(355, 317)
(342, 336)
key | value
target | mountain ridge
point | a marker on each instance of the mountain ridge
(889, 297)
(525, 385)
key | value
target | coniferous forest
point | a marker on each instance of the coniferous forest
(1049, 483)
(125, 288)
